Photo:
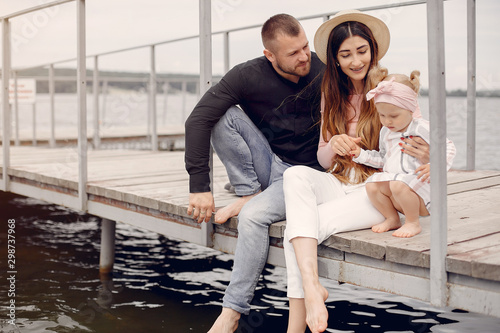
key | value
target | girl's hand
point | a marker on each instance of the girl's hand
(355, 152)
(417, 147)
(424, 173)
(343, 144)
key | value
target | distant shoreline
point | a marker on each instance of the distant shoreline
(463, 93)
(70, 86)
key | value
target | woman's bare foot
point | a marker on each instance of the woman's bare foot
(388, 224)
(233, 209)
(409, 229)
(227, 322)
(316, 312)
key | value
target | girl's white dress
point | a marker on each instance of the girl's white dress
(398, 165)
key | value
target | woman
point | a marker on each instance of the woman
(319, 204)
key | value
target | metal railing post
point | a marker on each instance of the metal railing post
(52, 141)
(104, 93)
(95, 91)
(82, 106)
(152, 101)
(165, 102)
(184, 98)
(34, 124)
(6, 54)
(16, 109)
(205, 84)
(226, 51)
(471, 85)
(437, 115)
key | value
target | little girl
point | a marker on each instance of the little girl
(403, 186)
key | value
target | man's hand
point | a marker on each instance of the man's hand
(201, 205)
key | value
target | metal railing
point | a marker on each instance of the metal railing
(437, 102)
(100, 87)
(152, 82)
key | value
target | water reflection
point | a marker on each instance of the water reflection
(162, 285)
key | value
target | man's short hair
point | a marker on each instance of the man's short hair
(280, 23)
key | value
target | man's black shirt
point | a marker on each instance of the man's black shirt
(287, 113)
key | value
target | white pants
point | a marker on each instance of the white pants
(318, 206)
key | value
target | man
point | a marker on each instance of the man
(275, 127)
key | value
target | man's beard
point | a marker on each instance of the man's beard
(293, 71)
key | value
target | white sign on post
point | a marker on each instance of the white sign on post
(26, 91)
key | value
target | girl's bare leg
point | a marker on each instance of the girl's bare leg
(315, 295)
(297, 316)
(381, 197)
(411, 205)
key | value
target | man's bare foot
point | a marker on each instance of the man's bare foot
(227, 322)
(233, 209)
(316, 312)
(388, 224)
(409, 229)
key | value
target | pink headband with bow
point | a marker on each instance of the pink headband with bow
(397, 94)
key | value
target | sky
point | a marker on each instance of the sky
(50, 35)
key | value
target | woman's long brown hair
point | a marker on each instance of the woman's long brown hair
(336, 88)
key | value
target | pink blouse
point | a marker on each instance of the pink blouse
(325, 152)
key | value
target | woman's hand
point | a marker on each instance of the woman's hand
(424, 173)
(343, 144)
(417, 147)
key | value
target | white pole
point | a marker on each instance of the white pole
(437, 114)
(107, 255)
(6, 54)
(226, 52)
(471, 85)
(184, 97)
(52, 107)
(104, 93)
(95, 86)
(165, 102)
(34, 123)
(152, 101)
(82, 106)
(205, 84)
(16, 108)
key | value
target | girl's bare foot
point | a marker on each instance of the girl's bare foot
(227, 322)
(409, 229)
(316, 313)
(388, 224)
(233, 209)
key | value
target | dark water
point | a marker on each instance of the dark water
(162, 285)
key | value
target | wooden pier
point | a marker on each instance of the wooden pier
(150, 190)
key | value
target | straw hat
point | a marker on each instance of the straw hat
(377, 26)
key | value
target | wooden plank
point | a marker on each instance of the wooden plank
(473, 185)
(416, 250)
(158, 181)
(486, 264)
(460, 176)
(482, 263)
(476, 257)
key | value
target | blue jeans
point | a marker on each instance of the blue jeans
(251, 166)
